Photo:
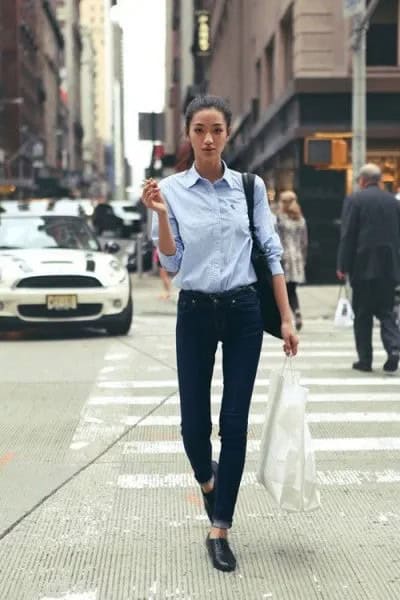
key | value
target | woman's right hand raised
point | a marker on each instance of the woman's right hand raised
(152, 197)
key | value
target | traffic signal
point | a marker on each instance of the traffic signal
(326, 152)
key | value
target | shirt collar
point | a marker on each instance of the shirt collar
(192, 176)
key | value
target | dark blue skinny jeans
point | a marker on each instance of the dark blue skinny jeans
(234, 319)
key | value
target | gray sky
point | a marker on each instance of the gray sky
(144, 46)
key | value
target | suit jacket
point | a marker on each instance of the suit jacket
(370, 236)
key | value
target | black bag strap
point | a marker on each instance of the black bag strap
(248, 186)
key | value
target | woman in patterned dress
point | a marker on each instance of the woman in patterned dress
(292, 230)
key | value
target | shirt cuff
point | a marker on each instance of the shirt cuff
(276, 267)
(170, 262)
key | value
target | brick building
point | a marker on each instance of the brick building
(31, 48)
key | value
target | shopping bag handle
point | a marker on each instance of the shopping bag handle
(287, 366)
(343, 288)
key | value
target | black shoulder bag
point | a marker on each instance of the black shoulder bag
(269, 308)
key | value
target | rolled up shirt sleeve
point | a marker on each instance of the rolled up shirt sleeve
(171, 262)
(264, 228)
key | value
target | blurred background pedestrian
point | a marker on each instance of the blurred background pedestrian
(164, 276)
(292, 229)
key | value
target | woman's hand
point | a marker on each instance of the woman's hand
(290, 339)
(152, 197)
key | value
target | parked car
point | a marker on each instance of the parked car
(53, 270)
(122, 218)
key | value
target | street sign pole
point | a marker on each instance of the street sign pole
(361, 17)
(359, 100)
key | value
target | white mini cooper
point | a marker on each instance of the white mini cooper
(53, 270)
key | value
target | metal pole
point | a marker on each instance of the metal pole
(359, 99)
(139, 254)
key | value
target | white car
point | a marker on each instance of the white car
(53, 270)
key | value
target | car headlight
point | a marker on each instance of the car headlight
(118, 273)
(116, 265)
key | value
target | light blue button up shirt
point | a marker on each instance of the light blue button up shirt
(210, 225)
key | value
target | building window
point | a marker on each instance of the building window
(287, 44)
(384, 25)
(269, 70)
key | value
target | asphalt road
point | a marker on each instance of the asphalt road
(96, 497)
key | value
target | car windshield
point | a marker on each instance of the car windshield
(46, 232)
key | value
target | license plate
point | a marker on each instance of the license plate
(59, 302)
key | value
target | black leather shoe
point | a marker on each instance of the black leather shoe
(209, 497)
(221, 555)
(360, 366)
(392, 363)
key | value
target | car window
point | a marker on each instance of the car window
(46, 232)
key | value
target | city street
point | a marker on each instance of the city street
(97, 501)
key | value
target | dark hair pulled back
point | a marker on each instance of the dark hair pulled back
(205, 102)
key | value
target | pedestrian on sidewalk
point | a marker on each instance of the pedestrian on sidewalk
(292, 229)
(202, 233)
(369, 254)
(164, 276)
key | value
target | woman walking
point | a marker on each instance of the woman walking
(292, 230)
(202, 233)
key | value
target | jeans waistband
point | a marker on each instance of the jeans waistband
(218, 295)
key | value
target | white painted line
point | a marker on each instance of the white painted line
(326, 478)
(319, 444)
(115, 356)
(73, 596)
(256, 399)
(318, 353)
(366, 379)
(258, 419)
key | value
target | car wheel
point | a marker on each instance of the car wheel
(121, 324)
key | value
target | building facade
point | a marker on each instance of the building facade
(285, 66)
(108, 115)
(21, 92)
(186, 68)
(88, 106)
(69, 19)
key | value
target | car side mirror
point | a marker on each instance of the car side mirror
(112, 247)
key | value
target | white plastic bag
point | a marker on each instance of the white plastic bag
(344, 315)
(286, 466)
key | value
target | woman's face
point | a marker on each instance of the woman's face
(284, 204)
(208, 134)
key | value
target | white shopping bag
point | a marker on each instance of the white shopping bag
(286, 466)
(344, 315)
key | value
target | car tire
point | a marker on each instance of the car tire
(121, 324)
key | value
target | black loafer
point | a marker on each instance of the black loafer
(361, 366)
(209, 497)
(220, 553)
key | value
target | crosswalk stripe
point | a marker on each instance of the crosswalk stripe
(337, 477)
(319, 445)
(317, 353)
(258, 419)
(329, 397)
(307, 381)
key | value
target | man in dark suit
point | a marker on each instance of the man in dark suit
(369, 253)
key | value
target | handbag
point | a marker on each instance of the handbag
(269, 308)
(344, 315)
(286, 465)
